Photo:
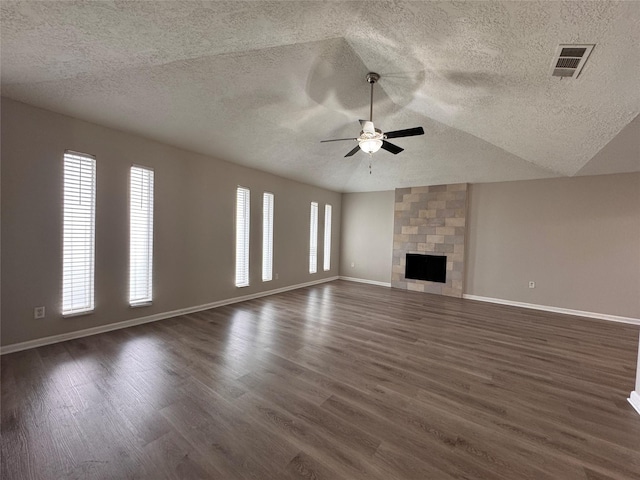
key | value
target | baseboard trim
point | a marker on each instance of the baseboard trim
(634, 400)
(40, 342)
(364, 280)
(565, 311)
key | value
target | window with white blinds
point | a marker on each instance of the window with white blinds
(141, 236)
(78, 238)
(313, 239)
(267, 236)
(242, 237)
(327, 237)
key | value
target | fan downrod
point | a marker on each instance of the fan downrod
(372, 78)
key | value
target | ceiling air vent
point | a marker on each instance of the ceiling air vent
(569, 60)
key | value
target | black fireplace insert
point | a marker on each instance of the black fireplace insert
(432, 268)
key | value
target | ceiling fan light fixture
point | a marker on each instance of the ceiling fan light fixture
(372, 139)
(371, 145)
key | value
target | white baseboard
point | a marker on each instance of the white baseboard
(565, 311)
(634, 400)
(364, 280)
(39, 342)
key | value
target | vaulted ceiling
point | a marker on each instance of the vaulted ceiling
(261, 83)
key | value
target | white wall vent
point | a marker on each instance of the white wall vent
(569, 60)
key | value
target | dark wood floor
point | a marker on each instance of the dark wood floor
(337, 381)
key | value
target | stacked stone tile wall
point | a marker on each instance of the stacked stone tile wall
(430, 220)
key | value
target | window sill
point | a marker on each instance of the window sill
(141, 304)
(77, 314)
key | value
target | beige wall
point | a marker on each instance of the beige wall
(367, 235)
(194, 229)
(577, 238)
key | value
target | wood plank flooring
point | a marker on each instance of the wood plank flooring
(337, 381)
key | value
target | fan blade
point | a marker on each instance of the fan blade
(337, 140)
(390, 147)
(409, 132)
(352, 152)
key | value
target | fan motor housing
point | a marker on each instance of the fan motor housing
(377, 134)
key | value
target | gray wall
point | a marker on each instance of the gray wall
(577, 238)
(367, 235)
(194, 224)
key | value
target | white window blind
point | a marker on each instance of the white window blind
(313, 239)
(327, 237)
(78, 242)
(267, 236)
(141, 236)
(242, 237)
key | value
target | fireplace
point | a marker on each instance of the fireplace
(432, 268)
(430, 221)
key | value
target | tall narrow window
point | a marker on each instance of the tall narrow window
(267, 236)
(242, 237)
(141, 236)
(313, 239)
(327, 237)
(78, 242)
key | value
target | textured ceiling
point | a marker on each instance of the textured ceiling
(261, 83)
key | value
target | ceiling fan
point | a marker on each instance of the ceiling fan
(372, 139)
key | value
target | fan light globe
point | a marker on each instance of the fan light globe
(371, 145)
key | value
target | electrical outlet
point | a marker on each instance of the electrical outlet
(277, 276)
(532, 284)
(38, 312)
(353, 264)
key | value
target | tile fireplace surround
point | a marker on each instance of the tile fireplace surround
(430, 220)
